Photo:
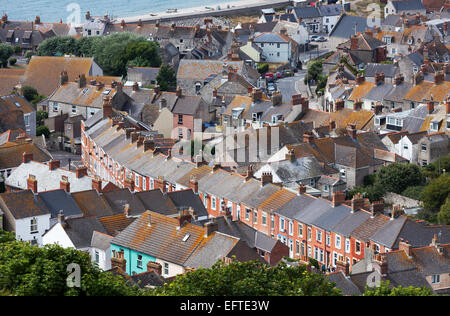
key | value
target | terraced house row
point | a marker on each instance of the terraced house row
(335, 232)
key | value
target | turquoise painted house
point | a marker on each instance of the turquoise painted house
(136, 262)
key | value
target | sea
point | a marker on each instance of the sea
(75, 11)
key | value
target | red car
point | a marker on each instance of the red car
(269, 75)
(279, 75)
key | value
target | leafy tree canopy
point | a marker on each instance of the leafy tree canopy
(444, 214)
(385, 290)
(166, 78)
(436, 193)
(397, 177)
(6, 51)
(34, 271)
(249, 278)
(112, 52)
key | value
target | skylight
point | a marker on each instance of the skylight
(186, 237)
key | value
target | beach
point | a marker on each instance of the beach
(220, 9)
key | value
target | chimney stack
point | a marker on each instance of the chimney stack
(308, 137)
(357, 202)
(183, 217)
(88, 15)
(160, 183)
(342, 266)
(339, 104)
(256, 94)
(135, 86)
(128, 132)
(64, 184)
(148, 145)
(338, 198)
(439, 77)
(360, 79)
(406, 247)
(61, 220)
(430, 107)
(290, 155)
(266, 178)
(447, 106)
(53, 164)
(37, 20)
(27, 157)
(352, 131)
(32, 183)
(249, 174)
(81, 172)
(107, 107)
(210, 227)
(118, 260)
(193, 184)
(97, 184)
(129, 183)
(301, 189)
(377, 207)
(354, 42)
(155, 267)
(179, 91)
(81, 81)
(380, 264)
(63, 78)
(277, 98)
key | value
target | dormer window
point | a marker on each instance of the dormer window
(434, 126)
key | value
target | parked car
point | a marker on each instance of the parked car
(321, 39)
(269, 76)
(288, 73)
(314, 38)
(271, 88)
(278, 75)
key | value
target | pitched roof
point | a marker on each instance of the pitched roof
(24, 204)
(47, 179)
(80, 230)
(408, 5)
(348, 25)
(161, 239)
(11, 155)
(114, 224)
(60, 200)
(43, 73)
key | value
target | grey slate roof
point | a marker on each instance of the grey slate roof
(101, 241)
(407, 5)
(349, 223)
(80, 230)
(342, 282)
(331, 217)
(330, 10)
(345, 27)
(269, 38)
(307, 12)
(60, 200)
(388, 70)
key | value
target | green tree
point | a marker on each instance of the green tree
(6, 236)
(436, 193)
(143, 54)
(385, 290)
(42, 271)
(414, 192)
(397, 177)
(43, 130)
(249, 279)
(40, 117)
(29, 93)
(58, 45)
(6, 51)
(12, 61)
(444, 214)
(111, 52)
(166, 78)
(263, 68)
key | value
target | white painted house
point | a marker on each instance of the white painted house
(25, 214)
(276, 47)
